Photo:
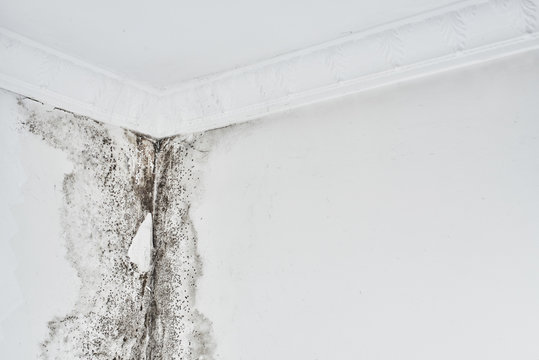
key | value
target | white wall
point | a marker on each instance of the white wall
(400, 223)
(70, 285)
(37, 282)
(394, 224)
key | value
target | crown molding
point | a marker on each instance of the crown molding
(464, 33)
(33, 70)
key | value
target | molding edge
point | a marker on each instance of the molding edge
(465, 33)
(35, 71)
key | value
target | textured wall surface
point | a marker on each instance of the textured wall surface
(396, 224)
(127, 307)
(38, 283)
(178, 330)
(106, 197)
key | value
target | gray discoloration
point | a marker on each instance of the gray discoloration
(178, 330)
(119, 177)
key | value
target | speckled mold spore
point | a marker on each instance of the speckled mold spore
(118, 178)
(178, 330)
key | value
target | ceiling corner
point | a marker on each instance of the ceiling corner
(457, 35)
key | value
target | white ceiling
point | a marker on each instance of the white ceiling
(162, 42)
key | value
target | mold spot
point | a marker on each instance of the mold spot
(129, 236)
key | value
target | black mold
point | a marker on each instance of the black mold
(118, 177)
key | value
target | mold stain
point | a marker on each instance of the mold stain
(178, 330)
(119, 178)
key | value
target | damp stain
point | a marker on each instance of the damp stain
(126, 310)
(178, 330)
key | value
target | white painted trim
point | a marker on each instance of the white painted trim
(461, 34)
(33, 70)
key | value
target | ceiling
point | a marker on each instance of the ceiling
(162, 43)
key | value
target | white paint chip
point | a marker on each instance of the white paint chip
(140, 251)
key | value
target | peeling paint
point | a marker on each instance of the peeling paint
(140, 250)
(129, 237)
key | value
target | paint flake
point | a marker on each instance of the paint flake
(140, 251)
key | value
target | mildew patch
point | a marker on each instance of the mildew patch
(105, 199)
(130, 306)
(178, 330)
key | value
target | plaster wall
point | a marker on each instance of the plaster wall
(98, 252)
(396, 224)
(38, 282)
(399, 223)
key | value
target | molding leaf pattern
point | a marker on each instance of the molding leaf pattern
(454, 29)
(464, 33)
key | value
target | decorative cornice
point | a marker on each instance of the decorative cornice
(464, 33)
(33, 70)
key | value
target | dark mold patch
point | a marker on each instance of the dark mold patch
(178, 330)
(118, 178)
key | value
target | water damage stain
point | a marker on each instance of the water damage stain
(178, 330)
(118, 178)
